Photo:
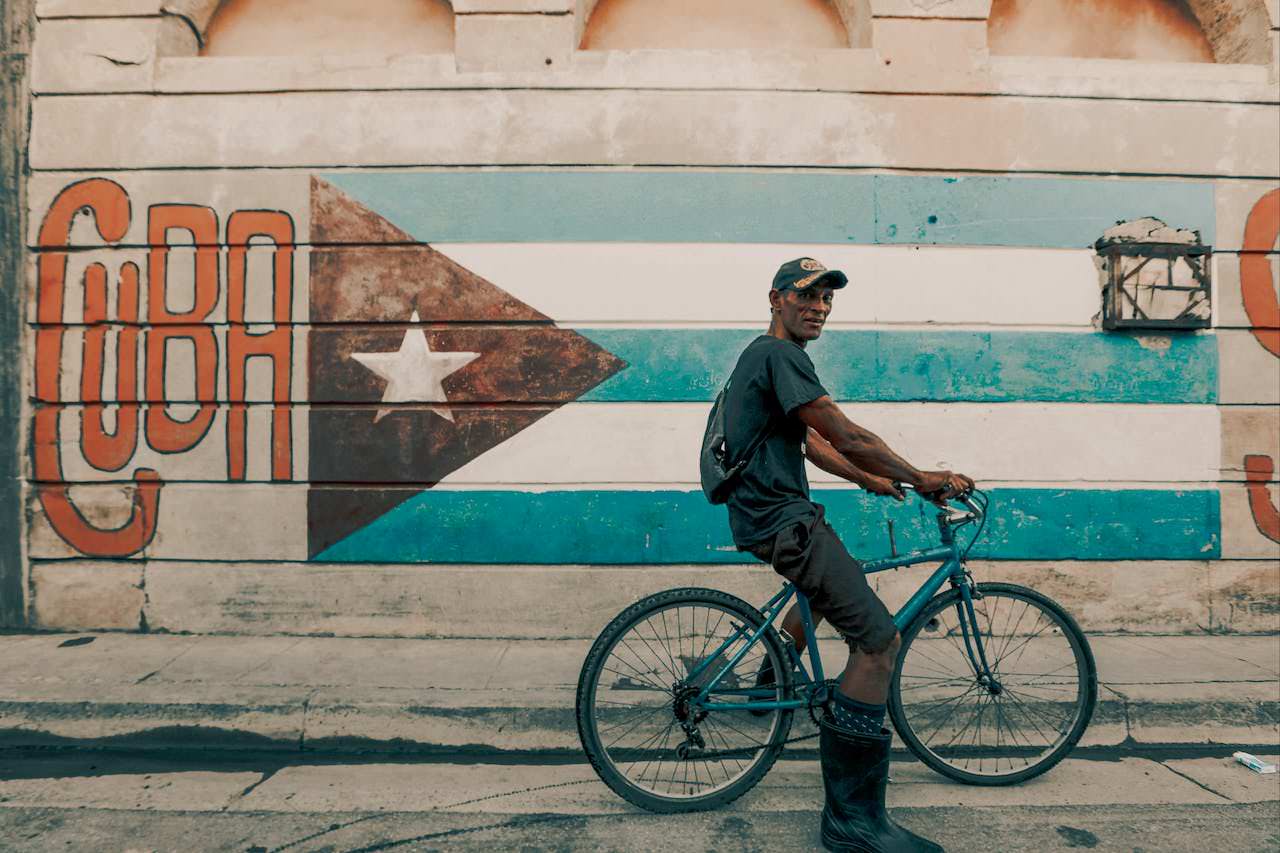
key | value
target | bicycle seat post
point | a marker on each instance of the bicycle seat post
(810, 636)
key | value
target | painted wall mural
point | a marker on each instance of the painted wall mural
(473, 366)
(107, 205)
(1258, 293)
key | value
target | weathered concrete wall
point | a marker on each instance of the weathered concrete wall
(421, 343)
(16, 22)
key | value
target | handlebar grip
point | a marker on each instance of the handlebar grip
(965, 498)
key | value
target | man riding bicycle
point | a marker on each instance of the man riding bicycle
(774, 392)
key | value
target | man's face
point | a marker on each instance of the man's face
(803, 312)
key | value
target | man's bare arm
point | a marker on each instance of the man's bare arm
(820, 452)
(866, 450)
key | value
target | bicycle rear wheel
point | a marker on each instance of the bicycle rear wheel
(1007, 730)
(633, 709)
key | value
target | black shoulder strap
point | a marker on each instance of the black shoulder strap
(758, 441)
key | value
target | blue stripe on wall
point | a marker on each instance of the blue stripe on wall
(867, 365)
(1049, 212)
(770, 207)
(627, 527)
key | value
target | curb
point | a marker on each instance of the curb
(326, 721)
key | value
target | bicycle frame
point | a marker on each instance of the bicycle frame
(951, 569)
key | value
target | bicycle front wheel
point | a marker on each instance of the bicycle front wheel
(1013, 725)
(635, 719)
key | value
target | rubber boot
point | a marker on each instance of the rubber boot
(855, 771)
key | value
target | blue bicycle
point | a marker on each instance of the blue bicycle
(995, 682)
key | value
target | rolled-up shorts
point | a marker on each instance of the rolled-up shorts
(811, 556)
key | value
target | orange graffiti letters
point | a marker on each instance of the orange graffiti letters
(1257, 288)
(107, 451)
(276, 344)
(169, 228)
(109, 205)
(1258, 471)
(166, 433)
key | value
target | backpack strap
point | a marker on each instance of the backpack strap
(760, 439)
(769, 429)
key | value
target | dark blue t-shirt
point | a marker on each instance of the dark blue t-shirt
(772, 379)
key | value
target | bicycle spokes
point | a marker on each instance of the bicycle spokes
(995, 688)
(652, 728)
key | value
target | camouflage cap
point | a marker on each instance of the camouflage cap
(803, 273)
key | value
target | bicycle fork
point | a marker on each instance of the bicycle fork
(968, 618)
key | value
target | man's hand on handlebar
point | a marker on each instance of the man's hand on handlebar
(881, 486)
(941, 486)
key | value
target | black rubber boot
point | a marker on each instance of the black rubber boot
(855, 770)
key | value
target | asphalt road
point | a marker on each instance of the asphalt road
(254, 804)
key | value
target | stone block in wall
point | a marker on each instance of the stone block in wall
(971, 9)
(575, 602)
(1247, 373)
(1244, 596)
(513, 42)
(513, 7)
(1137, 597)
(935, 43)
(1275, 55)
(1232, 309)
(643, 127)
(195, 13)
(1248, 431)
(87, 596)
(193, 521)
(94, 55)
(225, 192)
(95, 8)
(1234, 203)
(1251, 521)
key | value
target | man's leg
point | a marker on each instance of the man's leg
(866, 676)
(854, 745)
(793, 624)
(865, 679)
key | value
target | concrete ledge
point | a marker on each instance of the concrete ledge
(419, 696)
(1148, 597)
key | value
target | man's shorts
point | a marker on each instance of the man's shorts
(813, 558)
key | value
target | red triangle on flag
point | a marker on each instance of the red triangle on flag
(478, 366)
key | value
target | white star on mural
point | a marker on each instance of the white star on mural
(415, 373)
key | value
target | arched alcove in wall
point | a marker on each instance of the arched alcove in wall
(315, 27)
(1153, 30)
(721, 24)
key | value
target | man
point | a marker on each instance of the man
(774, 387)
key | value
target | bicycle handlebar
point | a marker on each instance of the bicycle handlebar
(965, 498)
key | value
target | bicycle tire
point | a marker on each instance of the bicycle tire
(1033, 701)
(594, 667)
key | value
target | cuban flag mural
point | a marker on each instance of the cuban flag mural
(976, 353)
(514, 367)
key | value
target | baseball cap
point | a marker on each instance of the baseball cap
(803, 273)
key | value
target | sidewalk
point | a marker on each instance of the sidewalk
(397, 695)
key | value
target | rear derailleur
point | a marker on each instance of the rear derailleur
(688, 717)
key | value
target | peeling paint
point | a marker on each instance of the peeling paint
(1155, 343)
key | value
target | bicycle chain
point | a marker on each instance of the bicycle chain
(748, 750)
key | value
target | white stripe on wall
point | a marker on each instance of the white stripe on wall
(616, 444)
(674, 283)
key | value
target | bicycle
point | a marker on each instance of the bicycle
(657, 691)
